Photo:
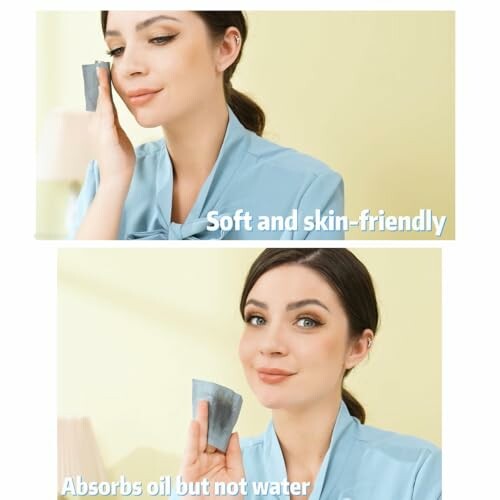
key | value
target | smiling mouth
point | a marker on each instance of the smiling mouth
(143, 98)
(273, 376)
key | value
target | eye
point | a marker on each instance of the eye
(162, 40)
(255, 320)
(158, 40)
(307, 322)
(115, 52)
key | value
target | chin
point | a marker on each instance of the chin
(272, 399)
(271, 403)
(148, 120)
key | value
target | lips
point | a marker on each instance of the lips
(140, 96)
(273, 375)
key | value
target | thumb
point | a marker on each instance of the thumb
(234, 461)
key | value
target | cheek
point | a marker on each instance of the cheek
(115, 80)
(197, 60)
(325, 355)
(167, 64)
(246, 350)
(119, 80)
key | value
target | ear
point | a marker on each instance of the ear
(228, 49)
(358, 350)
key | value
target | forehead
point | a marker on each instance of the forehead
(293, 282)
(130, 20)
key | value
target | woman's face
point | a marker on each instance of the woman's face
(295, 346)
(169, 55)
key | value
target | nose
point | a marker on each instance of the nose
(273, 341)
(131, 63)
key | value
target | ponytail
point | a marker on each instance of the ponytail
(246, 110)
(353, 405)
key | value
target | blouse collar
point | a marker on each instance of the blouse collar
(228, 160)
(333, 462)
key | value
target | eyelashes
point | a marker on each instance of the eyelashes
(255, 320)
(158, 41)
(307, 322)
(304, 322)
(114, 52)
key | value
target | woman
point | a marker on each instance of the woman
(174, 69)
(311, 316)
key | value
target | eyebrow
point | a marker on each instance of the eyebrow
(256, 303)
(292, 305)
(144, 24)
(305, 302)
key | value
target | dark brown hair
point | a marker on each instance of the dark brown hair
(246, 110)
(347, 276)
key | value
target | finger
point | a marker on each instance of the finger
(103, 95)
(106, 87)
(115, 113)
(104, 102)
(103, 78)
(191, 453)
(202, 419)
(234, 461)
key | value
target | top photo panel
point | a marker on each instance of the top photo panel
(231, 125)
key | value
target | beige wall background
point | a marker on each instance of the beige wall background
(133, 331)
(369, 93)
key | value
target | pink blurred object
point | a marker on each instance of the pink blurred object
(65, 148)
(77, 451)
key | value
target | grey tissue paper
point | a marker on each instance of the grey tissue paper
(224, 407)
(91, 83)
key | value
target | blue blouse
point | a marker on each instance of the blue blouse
(362, 463)
(250, 173)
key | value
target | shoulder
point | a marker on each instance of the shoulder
(391, 465)
(392, 443)
(389, 453)
(383, 464)
(288, 161)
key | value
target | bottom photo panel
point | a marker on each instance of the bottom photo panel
(283, 373)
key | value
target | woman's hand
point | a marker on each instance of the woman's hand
(115, 157)
(114, 151)
(202, 461)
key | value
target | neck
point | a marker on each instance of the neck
(305, 434)
(194, 142)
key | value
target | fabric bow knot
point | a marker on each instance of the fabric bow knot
(174, 231)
